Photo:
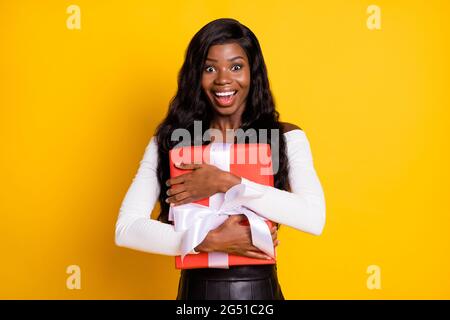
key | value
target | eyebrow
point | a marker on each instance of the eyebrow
(234, 58)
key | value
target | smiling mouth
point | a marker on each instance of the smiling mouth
(225, 99)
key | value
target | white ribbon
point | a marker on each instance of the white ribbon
(197, 220)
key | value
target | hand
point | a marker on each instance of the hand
(234, 238)
(204, 181)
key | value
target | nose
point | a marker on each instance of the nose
(223, 77)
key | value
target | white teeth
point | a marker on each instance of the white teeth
(224, 94)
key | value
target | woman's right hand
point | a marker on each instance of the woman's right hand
(232, 237)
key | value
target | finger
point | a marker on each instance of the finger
(232, 219)
(178, 197)
(251, 247)
(176, 189)
(236, 218)
(184, 201)
(188, 166)
(257, 255)
(179, 179)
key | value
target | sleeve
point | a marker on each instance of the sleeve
(134, 227)
(304, 207)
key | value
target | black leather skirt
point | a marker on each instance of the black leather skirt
(253, 282)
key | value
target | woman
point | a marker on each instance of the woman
(224, 84)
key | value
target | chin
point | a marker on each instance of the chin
(225, 111)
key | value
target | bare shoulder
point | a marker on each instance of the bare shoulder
(286, 127)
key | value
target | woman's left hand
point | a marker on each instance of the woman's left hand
(204, 181)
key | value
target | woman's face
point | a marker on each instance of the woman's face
(226, 78)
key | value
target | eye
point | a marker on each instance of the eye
(237, 65)
(208, 68)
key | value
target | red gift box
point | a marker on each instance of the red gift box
(245, 160)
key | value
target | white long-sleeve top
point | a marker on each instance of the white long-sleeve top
(303, 208)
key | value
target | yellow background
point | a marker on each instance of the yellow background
(78, 107)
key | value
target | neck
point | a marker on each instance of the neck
(223, 124)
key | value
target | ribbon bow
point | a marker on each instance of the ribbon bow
(197, 220)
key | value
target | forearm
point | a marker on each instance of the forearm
(305, 212)
(148, 235)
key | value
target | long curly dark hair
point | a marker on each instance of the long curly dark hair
(191, 104)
